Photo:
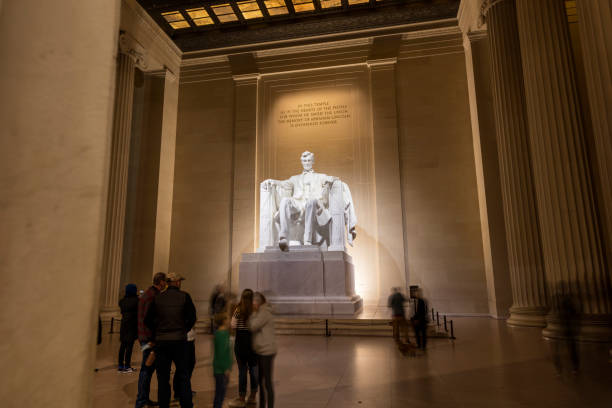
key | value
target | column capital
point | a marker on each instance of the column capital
(485, 6)
(128, 45)
(246, 79)
(382, 64)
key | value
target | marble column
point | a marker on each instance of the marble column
(56, 82)
(389, 214)
(244, 183)
(117, 188)
(570, 231)
(478, 72)
(529, 305)
(165, 184)
(595, 24)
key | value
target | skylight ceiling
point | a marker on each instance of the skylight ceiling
(198, 25)
(217, 14)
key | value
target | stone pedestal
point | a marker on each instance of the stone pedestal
(304, 280)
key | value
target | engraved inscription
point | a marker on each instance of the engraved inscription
(320, 113)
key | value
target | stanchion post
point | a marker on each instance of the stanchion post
(112, 324)
(452, 333)
(432, 314)
(445, 327)
(438, 319)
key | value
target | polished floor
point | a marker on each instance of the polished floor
(489, 365)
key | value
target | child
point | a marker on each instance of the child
(222, 360)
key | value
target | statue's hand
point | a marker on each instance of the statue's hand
(267, 184)
(330, 180)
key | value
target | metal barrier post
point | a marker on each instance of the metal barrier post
(327, 333)
(445, 327)
(452, 333)
(112, 324)
(432, 314)
(438, 319)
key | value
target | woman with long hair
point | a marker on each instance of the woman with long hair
(243, 349)
(261, 324)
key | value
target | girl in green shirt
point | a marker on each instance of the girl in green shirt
(222, 360)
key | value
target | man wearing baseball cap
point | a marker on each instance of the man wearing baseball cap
(170, 316)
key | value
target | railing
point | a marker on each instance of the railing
(436, 317)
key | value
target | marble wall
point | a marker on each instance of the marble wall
(442, 246)
(201, 217)
(443, 237)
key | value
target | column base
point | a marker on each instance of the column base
(108, 313)
(590, 328)
(527, 316)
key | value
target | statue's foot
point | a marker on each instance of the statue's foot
(283, 244)
(307, 243)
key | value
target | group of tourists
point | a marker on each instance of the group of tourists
(162, 319)
(419, 320)
(252, 322)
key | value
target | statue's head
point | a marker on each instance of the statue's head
(307, 159)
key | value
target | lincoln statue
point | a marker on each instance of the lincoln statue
(307, 209)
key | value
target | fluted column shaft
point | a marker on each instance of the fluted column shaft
(521, 219)
(571, 239)
(117, 188)
(595, 23)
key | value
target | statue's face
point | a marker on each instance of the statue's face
(307, 162)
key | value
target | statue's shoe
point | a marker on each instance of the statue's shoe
(283, 244)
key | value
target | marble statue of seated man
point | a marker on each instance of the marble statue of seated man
(308, 208)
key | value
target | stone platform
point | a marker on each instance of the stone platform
(303, 281)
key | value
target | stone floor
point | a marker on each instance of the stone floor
(489, 365)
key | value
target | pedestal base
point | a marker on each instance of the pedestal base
(304, 280)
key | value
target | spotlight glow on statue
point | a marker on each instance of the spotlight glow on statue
(307, 209)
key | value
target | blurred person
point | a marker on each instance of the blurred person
(243, 349)
(146, 341)
(398, 314)
(420, 320)
(217, 303)
(261, 325)
(566, 312)
(170, 317)
(191, 360)
(128, 332)
(222, 359)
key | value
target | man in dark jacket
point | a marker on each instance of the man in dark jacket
(420, 319)
(128, 333)
(146, 341)
(396, 303)
(170, 316)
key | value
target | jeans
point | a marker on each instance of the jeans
(266, 365)
(191, 360)
(221, 381)
(166, 353)
(125, 353)
(144, 379)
